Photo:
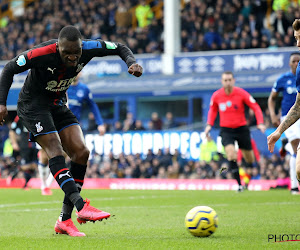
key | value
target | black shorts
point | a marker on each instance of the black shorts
(41, 120)
(240, 134)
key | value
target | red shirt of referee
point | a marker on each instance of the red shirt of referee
(230, 102)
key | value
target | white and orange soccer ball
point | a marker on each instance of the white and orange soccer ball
(201, 221)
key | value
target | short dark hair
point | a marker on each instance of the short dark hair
(71, 33)
(294, 54)
(296, 24)
(228, 73)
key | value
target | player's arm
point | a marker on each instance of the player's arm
(15, 66)
(95, 109)
(292, 116)
(106, 48)
(271, 106)
(212, 114)
(251, 103)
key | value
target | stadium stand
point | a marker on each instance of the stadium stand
(205, 25)
(202, 22)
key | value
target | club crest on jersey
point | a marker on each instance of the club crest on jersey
(38, 126)
(21, 60)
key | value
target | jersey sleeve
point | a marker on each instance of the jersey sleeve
(93, 106)
(277, 86)
(298, 78)
(17, 65)
(100, 48)
(251, 103)
(213, 110)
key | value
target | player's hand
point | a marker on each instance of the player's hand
(272, 139)
(136, 70)
(101, 129)
(275, 121)
(207, 130)
(3, 114)
(262, 127)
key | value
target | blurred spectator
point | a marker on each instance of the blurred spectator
(280, 23)
(169, 121)
(157, 122)
(143, 14)
(208, 150)
(129, 122)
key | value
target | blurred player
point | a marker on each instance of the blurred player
(294, 113)
(78, 94)
(230, 102)
(286, 84)
(24, 152)
(42, 109)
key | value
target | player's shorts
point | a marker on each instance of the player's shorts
(293, 132)
(45, 120)
(240, 134)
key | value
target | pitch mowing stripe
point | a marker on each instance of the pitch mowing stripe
(95, 199)
(125, 207)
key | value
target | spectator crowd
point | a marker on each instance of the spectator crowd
(205, 25)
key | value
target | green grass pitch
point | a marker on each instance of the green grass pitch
(151, 220)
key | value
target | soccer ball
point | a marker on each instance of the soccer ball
(201, 221)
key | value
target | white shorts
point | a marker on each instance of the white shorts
(293, 132)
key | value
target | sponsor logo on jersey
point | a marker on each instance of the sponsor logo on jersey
(222, 106)
(110, 45)
(21, 60)
(62, 85)
(38, 126)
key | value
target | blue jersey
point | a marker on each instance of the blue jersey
(298, 77)
(286, 84)
(77, 95)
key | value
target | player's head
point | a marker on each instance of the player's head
(294, 60)
(296, 27)
(69, 45)
(228, 80)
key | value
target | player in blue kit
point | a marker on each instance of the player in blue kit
(53, 66)
(78, 94)
(286, 84)
(294, 113)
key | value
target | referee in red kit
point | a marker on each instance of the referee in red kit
(230, 102)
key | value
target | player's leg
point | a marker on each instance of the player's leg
(245, 145)
(76, 149)
(15, 168)
(292, 135)
(234, 168)
(293, 176)
(228, 141)
(44, 171)
(249, 158)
